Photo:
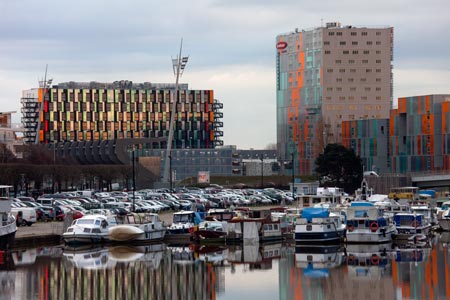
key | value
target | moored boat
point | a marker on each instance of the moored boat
(8, 225)
(138, 227)
(184, 222)
(319, 225)
(367, 224)
(409, 225)
(89, 229)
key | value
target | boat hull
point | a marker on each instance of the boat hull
(7, 240)
(405, 233)
(366, 236)
(77, 238)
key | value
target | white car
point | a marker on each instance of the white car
(24, 214)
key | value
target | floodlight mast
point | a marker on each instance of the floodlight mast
(178, 64)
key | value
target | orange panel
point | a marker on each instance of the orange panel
(40, 95)
(445, 110)
(41, 135)
(211, 96)
(402, 105)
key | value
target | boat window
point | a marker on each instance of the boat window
(85, 222)
(181, 218)
(361, 214)
(97, 222)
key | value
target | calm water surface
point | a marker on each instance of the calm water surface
(251, 272)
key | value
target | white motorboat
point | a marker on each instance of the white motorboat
(8, 225)
(444, 221)
(366, 223)
(410, 225)
(319, 225)
(184, 222)
(138, 227)
(89, 229)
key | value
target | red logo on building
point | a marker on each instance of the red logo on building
(281, 45)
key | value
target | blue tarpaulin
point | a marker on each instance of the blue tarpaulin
(313, 212)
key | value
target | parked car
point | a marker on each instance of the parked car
(24, 215)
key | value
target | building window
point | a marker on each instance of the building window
(364, 98)
(363, 79)
(355, 52)
(378, 61)
(331, 33)
(354, 43)
(338, 79)
(329, 70)
(326, 43)
(342, 98)
(345, 52)
(378, 70)
(350, 79)
(378, 89)
(339, 33)
(341, 70)
(367, 89)
(351, 61)
(378, 43)
(343, 43)
(329, 89)
(364, 33)
(368, 70)
(353, 89)
(369, 43)
(327, 51)
(378, 98)
(352, 70)
(378, 33)
(366, 52)
(378, 80)
(378, 52)
(365, 61)
(339, 89)
(338, 61)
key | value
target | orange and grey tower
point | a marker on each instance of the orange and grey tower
(327, 75)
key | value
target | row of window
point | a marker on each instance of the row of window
(368, 70)
(339, 80)
(353, 43)
(355, 52)
(351, 89)
(352, 98)
(352, 33)
(353, 107)
(113, 116)
(127, 126)
(352, 61)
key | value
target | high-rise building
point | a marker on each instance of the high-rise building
(327, 75)
(89, 121)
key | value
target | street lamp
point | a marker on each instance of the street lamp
(170, 164)
(179, 64)
(134, 175)
(293, 177)
(262, 171)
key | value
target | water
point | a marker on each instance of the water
(254, 272)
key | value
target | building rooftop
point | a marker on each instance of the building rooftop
(121, 84)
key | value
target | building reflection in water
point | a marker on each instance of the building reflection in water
(198, 272)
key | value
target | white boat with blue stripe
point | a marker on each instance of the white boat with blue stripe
(318, 225)
(366, 223)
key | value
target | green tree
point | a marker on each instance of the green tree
(338, 166)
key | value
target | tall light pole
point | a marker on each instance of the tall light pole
(293, 177)
(134, 175)
(178, 63)
(262, 171)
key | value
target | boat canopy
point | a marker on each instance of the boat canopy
(361, 204)
(313, 212)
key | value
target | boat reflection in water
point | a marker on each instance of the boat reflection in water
(370, 262)
(317, 261)
(99, 258)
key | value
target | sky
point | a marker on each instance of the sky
(230, 43)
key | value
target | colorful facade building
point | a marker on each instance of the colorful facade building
(417, 135)
(89, 121)
(327, 75)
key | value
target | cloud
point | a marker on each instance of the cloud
(231, 44)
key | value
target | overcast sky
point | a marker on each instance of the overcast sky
(231, 44)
